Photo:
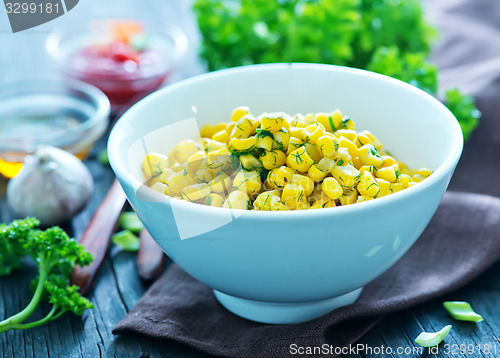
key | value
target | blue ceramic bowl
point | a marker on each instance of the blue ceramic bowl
(290, 266)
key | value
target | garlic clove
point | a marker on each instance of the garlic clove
(52, 186)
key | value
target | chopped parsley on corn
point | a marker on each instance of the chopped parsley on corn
(279, 162)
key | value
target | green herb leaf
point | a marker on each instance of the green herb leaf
(261, 133)
(426, 339)
(462, 311)
(463, 108)
(385, 36)
(126, 240)
(55, 255)
(130, 221)
(102, 157)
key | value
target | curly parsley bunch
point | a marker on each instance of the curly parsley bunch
(386, 36)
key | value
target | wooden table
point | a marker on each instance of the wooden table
(118, 287)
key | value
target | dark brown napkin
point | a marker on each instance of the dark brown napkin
(468, 57)
(461, 241)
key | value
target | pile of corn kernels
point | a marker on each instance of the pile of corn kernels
(279, 162)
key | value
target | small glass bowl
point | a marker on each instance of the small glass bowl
(70, 115)
(123, 89)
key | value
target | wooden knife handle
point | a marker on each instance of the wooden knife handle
(97, 236)
(150, 259)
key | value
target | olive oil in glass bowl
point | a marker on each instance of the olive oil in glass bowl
(70, 115)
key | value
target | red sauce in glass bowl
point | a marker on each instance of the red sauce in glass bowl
(121, 57)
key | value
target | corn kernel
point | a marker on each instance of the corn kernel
(312, 133)
(203, 175)
(293, 195)
(367, 168)
(306, 183)
(299, 160)
(184, 150)
(366, 137)
(195, 192)
(388, 161)
(294, 143)
(370, 156)
(179, 181)
(210, 145)
(195, 161)
(277, 205)
(342, 156)
(160, 188)
(297, 132)
(315, 173)
(385, 188)
(281, 140)
(324, 202)
(350, 146)
(367, 185)
(263, 200)
(165, 175)
(346, 175)
(279, 177)
(154, 164)
(247, 181)
(331, 121)
(272, 122)
(349, 197)
(306, 120)
(424, 172)
(326, 164)
(332, 188)
(249, 162)
(237, 200)
(348, 134)
(265, 142)
(244, 128)
(242, 145)
(221, 184)
(313, 152)
(362, 198)
(271, 159)
(403, 179)
(327, 145)
(387, 173)
(239, 112)
(214, 200)
(221, 136)
(417, 178)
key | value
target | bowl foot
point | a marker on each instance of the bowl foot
(284, 313)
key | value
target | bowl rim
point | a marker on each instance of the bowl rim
(50, 86)
(443, 169)
(178, 51)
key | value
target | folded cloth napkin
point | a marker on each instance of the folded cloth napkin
(460, 242)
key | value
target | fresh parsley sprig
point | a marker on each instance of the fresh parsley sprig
(55, 255)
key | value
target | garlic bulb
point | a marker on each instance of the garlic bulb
(53, 186)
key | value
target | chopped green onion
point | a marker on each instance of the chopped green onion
(462, 311)
(126, 240)
(340, 162)
(130, 221)
(426, 339)
(102, 157)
